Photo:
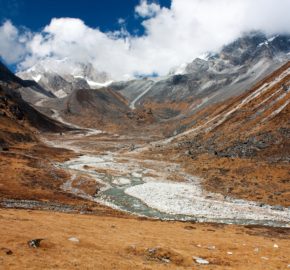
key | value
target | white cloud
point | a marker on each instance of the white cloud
(172, 36)
(121, 21)
(146, 10)
(12, 43)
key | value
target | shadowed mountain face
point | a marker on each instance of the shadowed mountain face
(19, 120)
(97, 108)
(30, 90)
(103, 109)
(7, 77)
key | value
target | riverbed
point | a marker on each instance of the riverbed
(148, 188)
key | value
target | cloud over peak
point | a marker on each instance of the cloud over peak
(172, 36)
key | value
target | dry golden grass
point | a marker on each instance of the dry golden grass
(122, 243)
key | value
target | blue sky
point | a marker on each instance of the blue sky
(35, 14)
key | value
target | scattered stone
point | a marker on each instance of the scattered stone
(199, 245)
(152, 250)
(277, 207)
(35, 243)
(74, 239)
(265, 258)
(256, 250)
(164, 255)
(121, 181)
(4, 100)
(189, 153)
(16, 111)
(137, 175)
(165, 260)
(211, 247)
(285, 87)
(200, 260)
(275, 246)
(189, 228)
(230, 253)
(3, 145)
(133, 247)
(7, 251)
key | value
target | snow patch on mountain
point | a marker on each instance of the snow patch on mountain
(269, 40)
(60, 93)
(37, 77)
(93, 84)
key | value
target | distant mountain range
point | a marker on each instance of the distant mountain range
(56, 86)
(212, 79)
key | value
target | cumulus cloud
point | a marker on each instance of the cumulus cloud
(121, 21)
(172, 36)
(12, 43)
(146, 10)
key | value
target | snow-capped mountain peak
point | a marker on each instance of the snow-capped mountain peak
(64, 75)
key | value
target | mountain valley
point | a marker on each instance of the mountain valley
(163, 171)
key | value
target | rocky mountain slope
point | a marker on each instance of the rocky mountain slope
(240, 146)
(19, 120)
(103, 109)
